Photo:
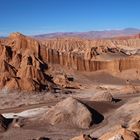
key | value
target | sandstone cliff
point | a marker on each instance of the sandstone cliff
(87, 55)
(24, 61)
(22, 64)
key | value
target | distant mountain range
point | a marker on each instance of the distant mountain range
(92, 34)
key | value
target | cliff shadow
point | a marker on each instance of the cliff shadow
(96, 116)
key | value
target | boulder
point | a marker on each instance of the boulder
(106, 96)
(61, 80)
(69, 112)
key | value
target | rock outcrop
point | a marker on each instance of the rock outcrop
(106, 96)
(120, 134)
(135, 127)
(24, 61)
(67, 113)
(92, 55)
(22, 64)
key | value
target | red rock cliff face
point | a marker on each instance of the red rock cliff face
(24, 61)
(22, 64)
(85, 55)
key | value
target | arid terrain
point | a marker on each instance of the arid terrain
(69, 88)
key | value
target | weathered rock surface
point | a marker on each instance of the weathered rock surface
(120, 134)
(135, 126)
(24, 61)
(106, 96)
(87, 55)
(23, 65)
(70, 112)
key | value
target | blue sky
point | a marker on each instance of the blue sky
(45, 16)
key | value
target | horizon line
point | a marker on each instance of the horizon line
(45, 33)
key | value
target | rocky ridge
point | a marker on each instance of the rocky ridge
(92, 55)
(22, 64)
(25, 61)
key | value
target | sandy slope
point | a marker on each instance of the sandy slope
(33, 105)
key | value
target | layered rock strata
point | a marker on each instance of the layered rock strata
(22, 64)
(24, 61)
(86, 55)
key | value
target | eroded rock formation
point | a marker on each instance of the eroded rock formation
(87, 55)
(22, 64)
(67, 113)
(106, 96)
(121, 134)
(24, 61)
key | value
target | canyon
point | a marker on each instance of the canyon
(69, 88)
(87, 55)
(25, 61)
